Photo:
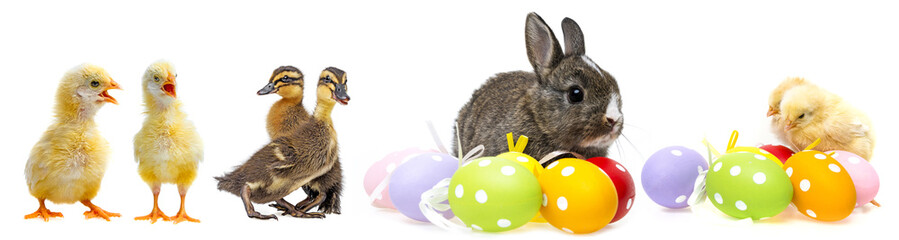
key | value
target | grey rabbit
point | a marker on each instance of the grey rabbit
(568, 103)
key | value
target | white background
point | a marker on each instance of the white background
(686, 70)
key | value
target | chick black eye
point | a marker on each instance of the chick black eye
(575, 94)
(156, 79)
(95, 84)
(801, 116)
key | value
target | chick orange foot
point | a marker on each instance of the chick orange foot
(154, 215)
(43, 213)
(97, 212)
(182, 216)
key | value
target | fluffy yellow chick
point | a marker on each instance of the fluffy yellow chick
(167, 148)
(69, 161)
(777, 122)
(810, 112)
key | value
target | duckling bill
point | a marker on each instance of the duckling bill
(305, 158)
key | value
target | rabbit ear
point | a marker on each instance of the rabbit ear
(544, 51)
(574, 38)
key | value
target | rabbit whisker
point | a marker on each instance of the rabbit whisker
(640, 155)
(633, 126)
(620, 151)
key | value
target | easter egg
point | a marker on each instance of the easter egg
(862, 173)
(669, 174)
(624, 184)
(494, 194)
(416, 176)
(822, 188)
(380, 171)
(780, 151)
(748, 185)
(578, 197)
(758, 151)
(532, 165)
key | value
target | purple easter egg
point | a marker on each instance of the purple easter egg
(669, 175)
(419, 174)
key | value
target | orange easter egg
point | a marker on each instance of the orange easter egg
(822, 188)
(578, 197)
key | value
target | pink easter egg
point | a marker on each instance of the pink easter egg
(862, 173)
(376, 177)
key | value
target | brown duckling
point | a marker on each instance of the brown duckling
(308, 157)
(331, 182)
(287, 114)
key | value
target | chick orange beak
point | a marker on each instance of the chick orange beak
(169, 85)
(790, 125)
(771, 111)
(105, 95)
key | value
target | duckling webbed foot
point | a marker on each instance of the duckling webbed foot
(308, 204)
(288, 209)
(248, 206)
(284, 206)
(308, 215)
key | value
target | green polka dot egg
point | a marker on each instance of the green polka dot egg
(494, 194)
(748, 185)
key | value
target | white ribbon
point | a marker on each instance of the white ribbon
(474, 153)
(555, 154)
(433, 200)
(437, 141)
(699, 192)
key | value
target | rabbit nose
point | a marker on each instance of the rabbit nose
(611, 121)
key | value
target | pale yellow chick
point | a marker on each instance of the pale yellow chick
(167, 148)
(777, 122)
(69, 161)
(810, 113)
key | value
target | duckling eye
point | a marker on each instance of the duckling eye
(95, 83)
(801, 116)
(575, 94)
(156, 79)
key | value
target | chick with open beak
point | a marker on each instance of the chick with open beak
(104, 95)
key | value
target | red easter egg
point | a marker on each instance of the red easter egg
(780, 151)
(624, 183)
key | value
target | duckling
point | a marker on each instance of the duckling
(306, 157)
(168, 148)
(288, 113)
(69, 161)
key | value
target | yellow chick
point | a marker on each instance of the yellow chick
(810, 112)
(68, 162)
(777, 122)
(167, 148)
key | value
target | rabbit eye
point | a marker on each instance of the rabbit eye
(575, 94)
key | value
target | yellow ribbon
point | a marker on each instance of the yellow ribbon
(712, 150)
(733, 140)
(815, 143)
(516, 147)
